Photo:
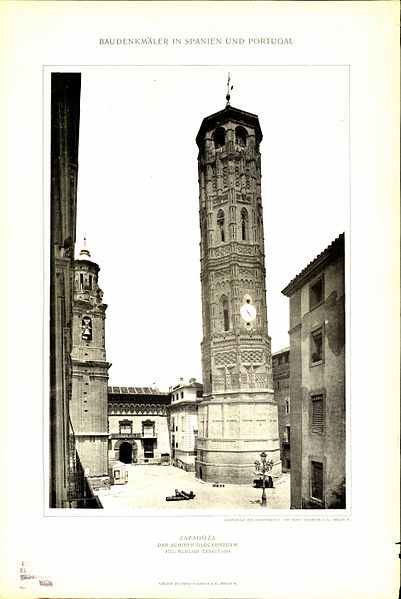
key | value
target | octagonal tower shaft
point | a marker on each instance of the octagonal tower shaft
(238, 415)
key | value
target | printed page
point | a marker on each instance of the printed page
(322, 79)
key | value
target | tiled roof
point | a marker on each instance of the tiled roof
(331, 253)
(135, 391)
(281, 351)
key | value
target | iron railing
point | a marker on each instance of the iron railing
(79, 491)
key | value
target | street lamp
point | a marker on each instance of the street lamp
(262, 469)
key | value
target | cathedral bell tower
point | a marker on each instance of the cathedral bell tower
(237, 417)
(89, 371)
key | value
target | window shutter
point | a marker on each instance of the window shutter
(317, 480)
(317, 414)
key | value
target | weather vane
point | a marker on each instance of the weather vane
(229, 88)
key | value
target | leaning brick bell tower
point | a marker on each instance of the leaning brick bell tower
(237, 417)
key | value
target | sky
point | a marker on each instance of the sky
(138, 197)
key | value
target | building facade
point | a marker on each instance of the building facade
(183, 423)
(68, 487)
(317, 381)
(89, 371)
(138, 429)
(281, 383)
(237, 418)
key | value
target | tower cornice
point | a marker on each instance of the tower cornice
(90, 363)
(229, 114)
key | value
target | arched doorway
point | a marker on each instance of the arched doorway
(125, 453)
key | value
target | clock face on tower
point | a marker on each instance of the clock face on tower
(248, 312)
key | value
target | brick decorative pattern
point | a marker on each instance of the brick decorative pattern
(224, 358)
(245, 250)
(252, 356)
(131, 408)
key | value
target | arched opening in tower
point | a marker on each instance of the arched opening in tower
(219, 137)
(240, 136)
(125, 454)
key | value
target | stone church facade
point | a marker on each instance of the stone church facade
(237, 417)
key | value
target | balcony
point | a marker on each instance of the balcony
(79, 490)
(131, 436)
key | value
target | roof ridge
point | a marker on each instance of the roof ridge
(337, 245)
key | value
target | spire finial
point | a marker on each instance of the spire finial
(84, 254)
(229, 88)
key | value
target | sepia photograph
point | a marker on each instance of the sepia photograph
(200, 300)
(205, 209)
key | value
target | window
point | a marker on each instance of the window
(86, 328)
(182, 394)
(240, 136)
(148, 428)
(220, 224)
(90, 281)
(317, 346)
(287, 434)
(244, 224)
(287, 406)
(148, 448)
(81, 280)
(316, 294)
(317, 481)
(225, 176)
(125, 427)
(219, 137)
(317, 414)
(226, 313)
(237, 177)
(288, 464)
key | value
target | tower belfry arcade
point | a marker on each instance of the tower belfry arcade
(237, 417)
